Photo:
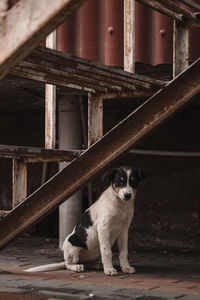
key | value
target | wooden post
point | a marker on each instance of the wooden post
(19, 181)
(50, 103)
(95, 118)
(95, 127)
(129, 35)
(180, 48)
(50, 110)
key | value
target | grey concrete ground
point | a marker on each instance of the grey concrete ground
(160, 275)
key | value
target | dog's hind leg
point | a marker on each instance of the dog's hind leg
(75, 267)
(71, 256)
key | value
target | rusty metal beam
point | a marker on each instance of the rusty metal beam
(162, 9)
(33, 154)
(101, 154)
(26, 24)
(191, 4)
(58, 68)
(171, 5)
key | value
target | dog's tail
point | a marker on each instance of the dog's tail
(46, 268)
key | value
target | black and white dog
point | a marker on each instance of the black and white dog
(106, 221)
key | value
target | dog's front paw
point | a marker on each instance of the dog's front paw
(128, 269)
(110, 271)
(79, 268)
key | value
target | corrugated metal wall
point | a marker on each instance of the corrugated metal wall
(95, 32)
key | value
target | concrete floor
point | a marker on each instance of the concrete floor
(159, 275)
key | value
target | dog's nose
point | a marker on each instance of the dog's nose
(127, 196)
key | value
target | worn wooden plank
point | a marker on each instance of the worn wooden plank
(95, 127)
(129, 35)
(50, 116)
(162, 9)
(50, 103)
(180, 48)
(47, 159)
(27, 24)
(58, 68)
(191, 4)
(98, 157)
(95, 118)
(19, 182)
(171, 5)
(21, 152)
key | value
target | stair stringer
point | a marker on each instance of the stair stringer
(100, 155)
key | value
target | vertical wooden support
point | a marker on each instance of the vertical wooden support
(19, 181)
(95, 127)
(95, 118)
(129, 35)
(50, 103)
(50, 110)
(180, 48)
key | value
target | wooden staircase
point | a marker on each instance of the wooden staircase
(99, 82)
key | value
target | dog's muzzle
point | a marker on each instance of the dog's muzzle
(127, 196)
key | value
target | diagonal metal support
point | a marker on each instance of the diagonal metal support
(100, 155)
(24, 26)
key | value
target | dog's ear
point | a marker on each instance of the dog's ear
(141, 174)
(109, 176)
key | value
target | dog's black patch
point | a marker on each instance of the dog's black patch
(138, 176)
(118, 177)
(79, 237)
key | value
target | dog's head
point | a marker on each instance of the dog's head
(125, 181)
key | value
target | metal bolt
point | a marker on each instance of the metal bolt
(110, 30)
(162, 32)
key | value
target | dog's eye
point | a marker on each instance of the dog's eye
(122, 178)
(132, 178)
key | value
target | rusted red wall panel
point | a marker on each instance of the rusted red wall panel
(114, 32)
(95, 32)
(162, 36)
(143, 33)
